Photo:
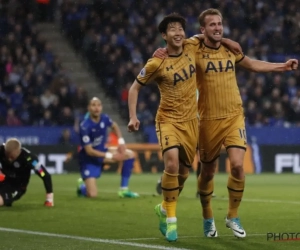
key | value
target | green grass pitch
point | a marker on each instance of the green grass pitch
(271, 204)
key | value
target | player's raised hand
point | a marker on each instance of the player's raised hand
(133, 125)
(291, 64)
(161, 53)
(2, 177)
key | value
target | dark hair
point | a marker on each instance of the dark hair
(208, 12)
(171, 18)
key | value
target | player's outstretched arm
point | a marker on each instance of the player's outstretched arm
(134, 123)
(262, 66)
(42, 172)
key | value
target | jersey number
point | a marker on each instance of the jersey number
(243, 134)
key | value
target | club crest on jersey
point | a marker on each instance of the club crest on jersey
(102, 125)
(85, 139)
(143, 72)
(16, 164)
(205, 56)
(167, 140)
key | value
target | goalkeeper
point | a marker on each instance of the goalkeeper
(16, 164)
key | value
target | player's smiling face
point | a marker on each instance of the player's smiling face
(95, 108)
(175, 34)
(213, 29)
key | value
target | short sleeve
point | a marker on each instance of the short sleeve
(193, 43)
(108, 121)
(239, 57)
(149, 72)
(84, 134)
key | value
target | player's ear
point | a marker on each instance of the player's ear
(202, 30)
(164, 36)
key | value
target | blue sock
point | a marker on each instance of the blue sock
(83, 189)
(126, 172)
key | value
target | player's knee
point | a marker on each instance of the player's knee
(206, 176)
(129, 154)
(237, 170)
(171, 164)
(92, 194)
(208, 171)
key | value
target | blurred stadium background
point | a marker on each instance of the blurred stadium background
(55, 55)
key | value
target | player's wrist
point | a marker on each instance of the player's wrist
(121, 141)
(108, 155)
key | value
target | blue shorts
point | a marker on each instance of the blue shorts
(90, 171)
(90, 167)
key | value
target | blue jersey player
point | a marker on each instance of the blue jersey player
(94, 154)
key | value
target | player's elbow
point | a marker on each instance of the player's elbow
(115, 126)
(255, 70)
(129, 154)
(89, 151)
(135, 87)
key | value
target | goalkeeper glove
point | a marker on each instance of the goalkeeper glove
(2, 177)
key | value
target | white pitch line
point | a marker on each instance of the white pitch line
(215, 198)
(105, 241)
(188, 237)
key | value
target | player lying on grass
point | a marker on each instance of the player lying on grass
(94, 153)
(15, 171)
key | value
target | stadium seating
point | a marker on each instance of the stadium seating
(34, 88)
(117, 38)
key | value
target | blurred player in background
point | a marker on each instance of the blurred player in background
(94, 153)
(15, 171)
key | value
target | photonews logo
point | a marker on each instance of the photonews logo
(283, 236)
